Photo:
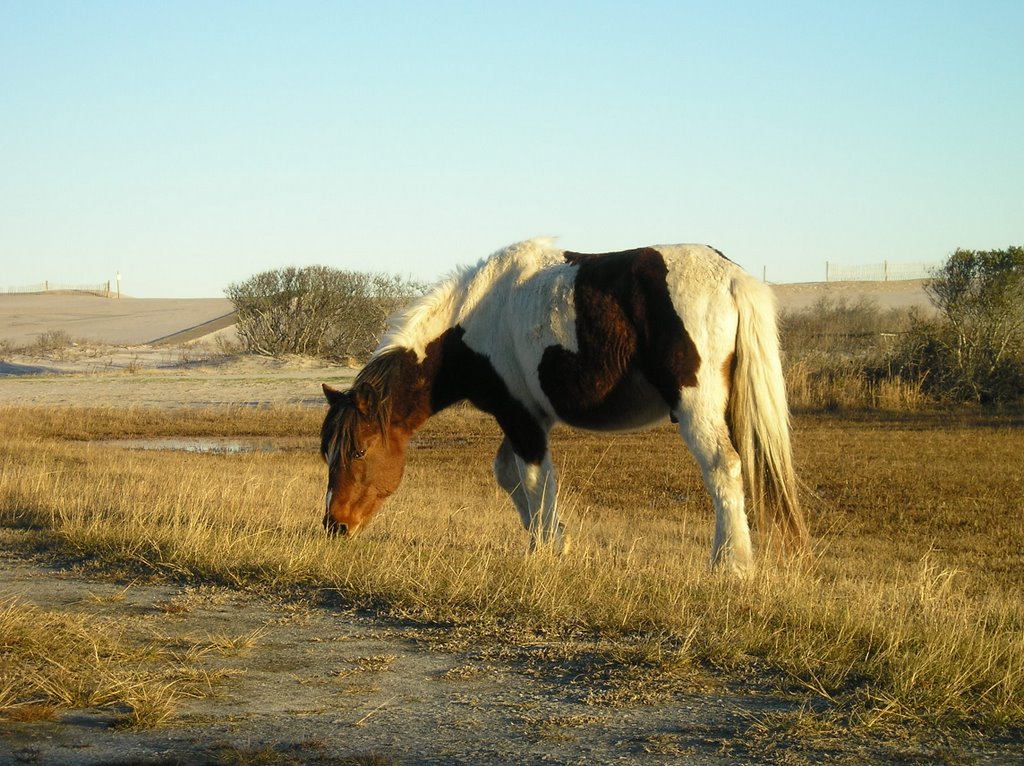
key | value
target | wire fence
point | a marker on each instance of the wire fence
(101, 289)
(879, 272)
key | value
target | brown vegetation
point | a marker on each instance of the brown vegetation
(853, 355)
(907, 613)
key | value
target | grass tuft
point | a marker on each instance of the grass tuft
(51, 661)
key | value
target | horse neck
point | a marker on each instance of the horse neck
(425, 352)
(404, 389)
(418, 387)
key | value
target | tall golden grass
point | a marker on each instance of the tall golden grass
(908, 610)
(828, 387)
(850, 356)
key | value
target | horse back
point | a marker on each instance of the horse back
(608, 341)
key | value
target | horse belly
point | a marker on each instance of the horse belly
(632, 403)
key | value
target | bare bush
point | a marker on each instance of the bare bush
(316, 311)
(841, 331)
(839, 355)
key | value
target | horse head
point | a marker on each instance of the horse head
(365, 457)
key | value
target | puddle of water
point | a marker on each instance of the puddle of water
(216, 445)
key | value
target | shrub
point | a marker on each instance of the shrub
(975, 350)
(838, 355)
(53, 343)
(316, 311)
(847, 355)
(841, 331)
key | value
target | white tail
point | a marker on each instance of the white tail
(758, 414)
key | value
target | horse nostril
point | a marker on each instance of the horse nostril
(335, 528)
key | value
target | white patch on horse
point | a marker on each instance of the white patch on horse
(479, 292)
(535, 283)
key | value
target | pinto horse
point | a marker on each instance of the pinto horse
(534, 335)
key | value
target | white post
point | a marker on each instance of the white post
(119, 284)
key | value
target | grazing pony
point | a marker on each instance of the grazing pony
(535, 335)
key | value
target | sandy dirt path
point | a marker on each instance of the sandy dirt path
(322, 684)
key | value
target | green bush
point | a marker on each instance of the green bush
(975, 350)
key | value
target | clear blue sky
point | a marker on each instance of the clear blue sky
(192, 144)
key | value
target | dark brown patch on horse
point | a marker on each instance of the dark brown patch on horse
(457, 372)
(629, 336)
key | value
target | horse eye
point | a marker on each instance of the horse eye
(359, 454)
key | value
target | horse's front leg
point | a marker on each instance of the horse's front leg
(533, 488)
(541, 485)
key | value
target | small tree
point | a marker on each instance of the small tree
(976, 350)
(316, 310)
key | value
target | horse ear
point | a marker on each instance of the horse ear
(366, 400)
(334, 396)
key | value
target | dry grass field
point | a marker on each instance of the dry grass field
(905, 623)
(160, 516)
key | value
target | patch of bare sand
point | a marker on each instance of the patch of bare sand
(318, 683)
(147, 353)
(109, 321)
(164, 376)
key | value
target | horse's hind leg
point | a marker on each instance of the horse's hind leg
(533, 489)
(707, 436)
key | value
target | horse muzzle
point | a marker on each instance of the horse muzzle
(335, 528)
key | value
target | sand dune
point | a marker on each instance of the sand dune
(113, 321)
(150, 321)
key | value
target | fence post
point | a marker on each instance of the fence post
(885, 270)
(826, 271)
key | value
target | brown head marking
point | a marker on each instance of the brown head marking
(364, 451)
